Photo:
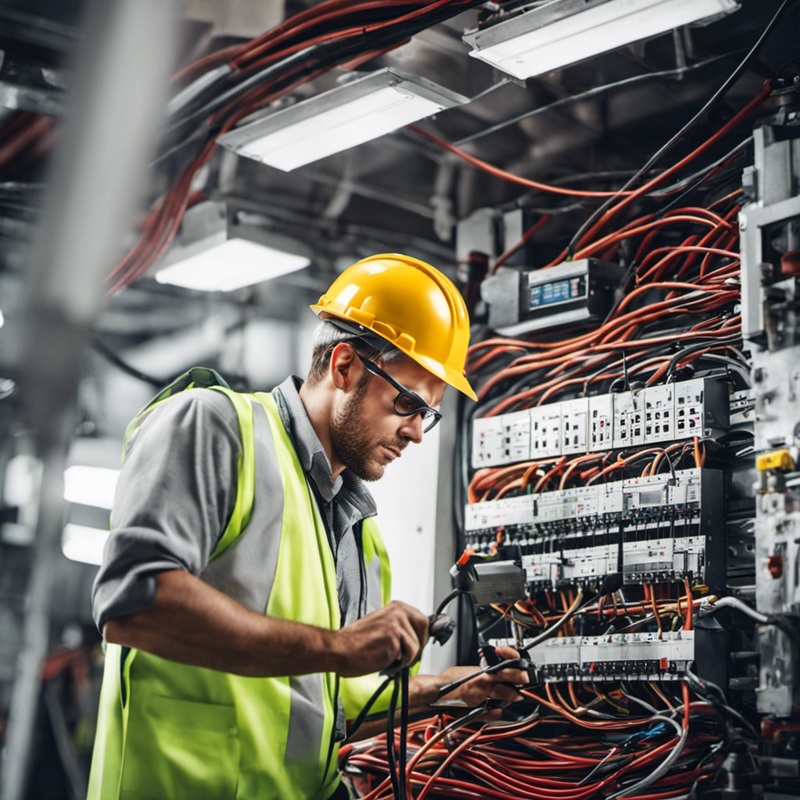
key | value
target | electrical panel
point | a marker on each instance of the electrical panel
(670, 412)
(771, 321)
(624, 656)
(633, 532)
(660, 527)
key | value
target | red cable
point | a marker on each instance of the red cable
(507, 176)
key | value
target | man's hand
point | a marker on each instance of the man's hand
(500, 686)
(392, 633)
(192, 622)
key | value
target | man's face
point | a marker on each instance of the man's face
(366, 434)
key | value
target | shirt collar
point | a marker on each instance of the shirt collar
(312, 455)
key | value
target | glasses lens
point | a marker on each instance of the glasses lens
(407, 404)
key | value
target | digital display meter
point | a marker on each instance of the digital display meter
(562, 291)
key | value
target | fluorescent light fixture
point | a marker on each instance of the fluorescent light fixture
(90, 486)
(84, 544)
(351, 114)
(2, 319)
(562, 32)
(220, 249)
(231, 265)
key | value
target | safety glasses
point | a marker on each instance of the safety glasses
(407, 403)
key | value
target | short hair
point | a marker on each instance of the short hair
(327, 335)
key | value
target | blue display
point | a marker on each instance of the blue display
(562, 291)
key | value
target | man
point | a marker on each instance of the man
(245, 587)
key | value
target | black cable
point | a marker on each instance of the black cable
(362, 715)
(403, 731)
(732, 78)
(687, 351)
(671, 466)
(732, 367)
(278, 71)
(390, 752)
(678, 72)
(452, 596)
(198, 133)
(493, 623)
(716, 697)
(508, 663)
(625, 371)
(611, 388)
(693, 182)
(249, 77)
(279, 68)
(111, 356)
(559, 623)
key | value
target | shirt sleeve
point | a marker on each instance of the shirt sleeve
(175, 494)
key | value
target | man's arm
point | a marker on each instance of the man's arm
(175, 495)
(191, 622)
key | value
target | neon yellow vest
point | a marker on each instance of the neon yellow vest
(168, 731)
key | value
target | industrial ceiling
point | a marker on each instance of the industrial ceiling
(588, 125)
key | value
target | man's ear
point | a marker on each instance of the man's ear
(343, 367)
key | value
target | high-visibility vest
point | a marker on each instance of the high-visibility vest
(169, 731)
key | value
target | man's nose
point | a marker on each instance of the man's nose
(412, 428)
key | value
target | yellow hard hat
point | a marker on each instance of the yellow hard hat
(411, 305)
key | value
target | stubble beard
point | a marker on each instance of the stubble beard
(351, 439)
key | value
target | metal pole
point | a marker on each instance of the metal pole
(115, 114)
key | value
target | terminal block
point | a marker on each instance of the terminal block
(673, 527)
(624, 656)
(504, 439)
(655, 414)
(659, 528)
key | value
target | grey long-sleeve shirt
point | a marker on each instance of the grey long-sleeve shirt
(177, 489)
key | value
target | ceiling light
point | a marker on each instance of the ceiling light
(84, 544)
(2, 319)
(348, 115)
(90, 486)
(561, 32)
(218, 251)
(231, 265)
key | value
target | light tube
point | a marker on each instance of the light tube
(341, 118)
(562, 32)
(90, 486)
(84, 544)
(230, 265)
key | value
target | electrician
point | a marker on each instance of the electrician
(245, 589)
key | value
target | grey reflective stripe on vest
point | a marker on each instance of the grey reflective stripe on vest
(307, 714)
(374, 599)
(246, 570)
(304, 739)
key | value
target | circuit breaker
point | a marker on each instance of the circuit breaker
(661, 528)
(654, 414)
